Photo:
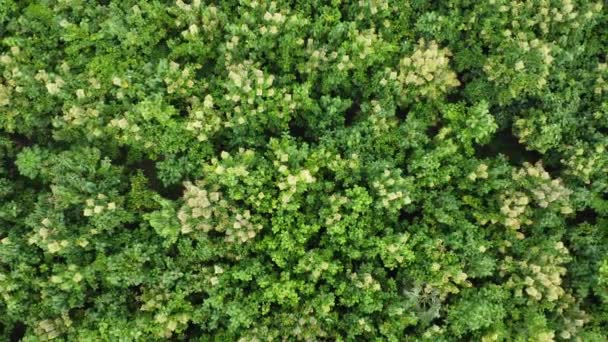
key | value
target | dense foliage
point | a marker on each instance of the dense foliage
(304, 170)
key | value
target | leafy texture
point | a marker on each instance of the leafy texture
(303, 170)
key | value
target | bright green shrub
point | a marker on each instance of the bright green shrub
(303, 170)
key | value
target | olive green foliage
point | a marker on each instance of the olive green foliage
(303, 170)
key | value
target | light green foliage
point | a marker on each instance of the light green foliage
(303, 170)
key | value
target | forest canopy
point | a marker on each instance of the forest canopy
(252, 170)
